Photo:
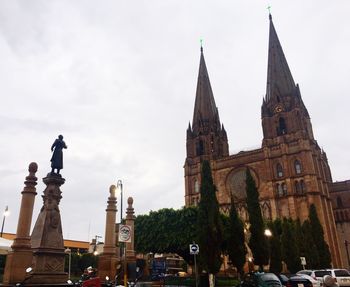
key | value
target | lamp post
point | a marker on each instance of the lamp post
(69, 252)
(268, 234)
(347, 251)
(120, 187)
(6, 213)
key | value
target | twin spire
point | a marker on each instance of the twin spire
(279, 78)
(205, 110)
(280, 83)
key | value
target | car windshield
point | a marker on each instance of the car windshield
(341, 273)
(322, 273)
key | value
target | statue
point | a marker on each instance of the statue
(57, 156)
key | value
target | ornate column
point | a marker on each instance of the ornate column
(130, 218)
(107, 262)
(130, 258)
(47, 240)
(21, 256)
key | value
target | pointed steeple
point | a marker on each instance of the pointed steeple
(283, 112)
(205, 110)
(207, 139)
(279, 78)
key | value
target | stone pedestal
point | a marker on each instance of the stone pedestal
(47, 240)
(20, 258)
(107, 262)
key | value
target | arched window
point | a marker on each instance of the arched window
(297, 187)
(200, 148)
(302, 186)
(279, 190)
(339, 202)
(282, 127)
(297, 167)
(196, 186)
(279, 170)
(284, 188)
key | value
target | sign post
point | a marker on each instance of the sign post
(303, 262)
(124, 236)
(194, 250)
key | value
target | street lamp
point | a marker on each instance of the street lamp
(120, 187)
(69, 252)
(347, 251)
(6, 213)
(268, 234)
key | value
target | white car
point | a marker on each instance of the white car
(342, 275)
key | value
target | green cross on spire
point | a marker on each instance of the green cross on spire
(269, 8)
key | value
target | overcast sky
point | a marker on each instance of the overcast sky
(118, 80)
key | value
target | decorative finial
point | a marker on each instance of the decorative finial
(130, 201)
(269, 8)
(33, 167)
(201, 41)
(112, 190)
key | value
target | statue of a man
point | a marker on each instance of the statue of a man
(57, 156)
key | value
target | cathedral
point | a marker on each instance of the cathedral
(290, 169)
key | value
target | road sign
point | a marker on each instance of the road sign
(194, 249)
(303, 261)
(124, 233)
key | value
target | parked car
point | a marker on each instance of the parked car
(294, 281)
(342, 275)
(260, 279)
(315, 282)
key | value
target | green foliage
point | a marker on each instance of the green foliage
(290, 250)
(310, 251)
(275, 246)
(166, 230)
(79, 262)
(258, 242)
(236, 248)
(318, 236)
(209, 225)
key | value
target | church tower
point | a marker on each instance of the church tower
(206, 138)
(283, 112)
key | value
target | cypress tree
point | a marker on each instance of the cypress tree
(310, 252)
(318, 236)
(236, 240)
(257, 242)
(275, 246)
(290, 251)
(209, 225)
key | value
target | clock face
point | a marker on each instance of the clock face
(278, 109)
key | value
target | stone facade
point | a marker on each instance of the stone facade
(290, 169)
(340, 195)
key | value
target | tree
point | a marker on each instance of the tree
(318, 236)
(310, 253)
(290, 251)
(275, 246)
(166, 230)
(209, 225)
(236, 240)
(257, 242)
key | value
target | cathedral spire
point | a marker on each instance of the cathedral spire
(279, 78)
(205, 110)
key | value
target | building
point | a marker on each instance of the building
(290, 169)
(340, 195)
